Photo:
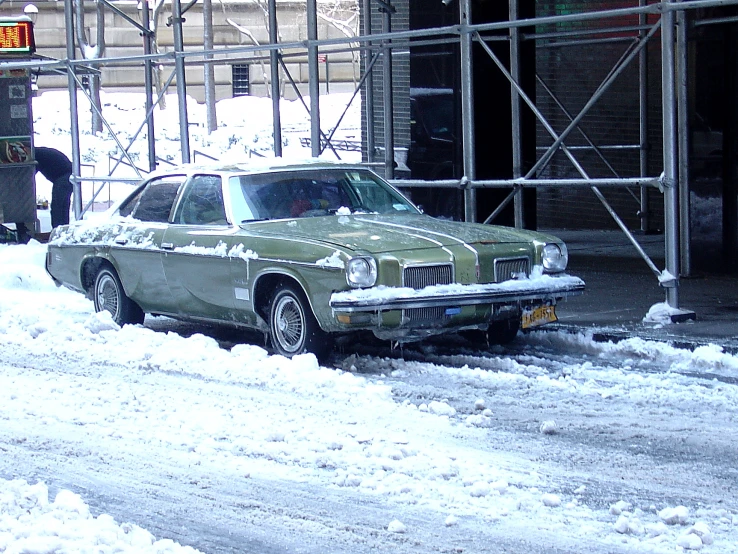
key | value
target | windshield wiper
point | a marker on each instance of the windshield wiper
(255, 219)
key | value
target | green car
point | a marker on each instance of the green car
(306, 252)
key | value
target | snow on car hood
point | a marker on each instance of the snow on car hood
(392, 233)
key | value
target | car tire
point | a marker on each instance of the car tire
(498, 333)
(503, 332)
(108, 295)
(293, 327)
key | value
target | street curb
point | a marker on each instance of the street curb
(601, 334)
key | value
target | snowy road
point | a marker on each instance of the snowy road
(559, 444)
(623, 427)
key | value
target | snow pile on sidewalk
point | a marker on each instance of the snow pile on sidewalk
(31, 524)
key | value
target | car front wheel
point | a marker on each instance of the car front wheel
(498, 333)
(108, 295)
(503, 332)
(293, 327)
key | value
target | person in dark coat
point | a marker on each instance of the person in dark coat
(57, 168)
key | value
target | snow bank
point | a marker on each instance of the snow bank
(31, 524)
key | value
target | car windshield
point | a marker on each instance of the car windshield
(311, 193)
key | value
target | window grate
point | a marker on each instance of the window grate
(240, 79)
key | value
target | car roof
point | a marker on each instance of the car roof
(258, 165)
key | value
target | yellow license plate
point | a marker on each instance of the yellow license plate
(533, 317)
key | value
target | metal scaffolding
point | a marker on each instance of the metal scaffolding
(667, 18)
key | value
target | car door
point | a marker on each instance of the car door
(137, 247)
(196, 251)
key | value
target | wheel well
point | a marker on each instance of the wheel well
(90, 268)
(264, 290)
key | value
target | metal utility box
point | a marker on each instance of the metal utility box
(17, 165)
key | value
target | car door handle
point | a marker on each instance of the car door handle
(167, 246)
(121, 241)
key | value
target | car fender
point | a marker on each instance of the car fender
(313, 293)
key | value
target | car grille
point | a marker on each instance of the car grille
(425, 315)
(420, 276)
(511, 268)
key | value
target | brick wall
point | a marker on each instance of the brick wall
(573, 70)
(400, 82)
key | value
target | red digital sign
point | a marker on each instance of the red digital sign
(16, 37)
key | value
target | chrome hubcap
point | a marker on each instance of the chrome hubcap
(289, 324)
(107, 295)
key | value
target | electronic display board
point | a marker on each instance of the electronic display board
(16, 37)
(17, 168)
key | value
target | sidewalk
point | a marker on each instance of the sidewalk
(620, 289)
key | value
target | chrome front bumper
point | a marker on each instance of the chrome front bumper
(382, 299)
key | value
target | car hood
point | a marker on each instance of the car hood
(392, 233)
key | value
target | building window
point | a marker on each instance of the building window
(240, 75)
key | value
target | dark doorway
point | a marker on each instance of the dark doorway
(436, 132)
(714, 142)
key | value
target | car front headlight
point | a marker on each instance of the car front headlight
(555, 257)
(361, 272)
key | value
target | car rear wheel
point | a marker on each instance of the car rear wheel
(108, 295)
(293, 327)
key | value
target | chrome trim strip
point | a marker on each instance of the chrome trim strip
(410, 228)
(301, 264)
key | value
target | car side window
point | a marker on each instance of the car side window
(157, 198)
(126, 208)
(202, 202)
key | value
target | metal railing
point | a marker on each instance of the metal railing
(381, 45)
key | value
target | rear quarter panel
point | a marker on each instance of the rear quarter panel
(64, 264)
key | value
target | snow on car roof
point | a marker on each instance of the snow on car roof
(256, 165)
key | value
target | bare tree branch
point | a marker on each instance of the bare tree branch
(90, 52)
(159, 81)
(246, 32)
(331, 13)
